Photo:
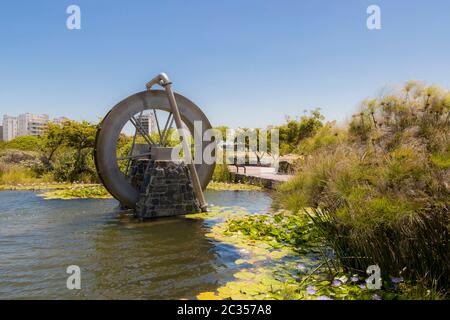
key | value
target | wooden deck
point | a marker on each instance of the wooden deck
(265, 176)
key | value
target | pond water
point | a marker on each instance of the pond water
(120, 258)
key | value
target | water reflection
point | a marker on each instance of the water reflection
(119, 257)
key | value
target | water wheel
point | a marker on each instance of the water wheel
(113, 169)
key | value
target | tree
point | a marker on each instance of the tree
(79, 136)
(294, 131)
(51, 141)
(24, 143)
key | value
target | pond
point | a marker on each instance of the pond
(120, 258)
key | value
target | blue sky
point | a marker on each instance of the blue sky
(245, 63)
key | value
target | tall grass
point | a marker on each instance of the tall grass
(415, 247)
(221, 173)
(22, 167)
(13, 175)
(381, 188)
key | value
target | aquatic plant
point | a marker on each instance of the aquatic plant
(223, 186)
(271, 265)
(279, 228)
(78, 192)
(382, 191)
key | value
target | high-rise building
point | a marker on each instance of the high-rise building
(60, 120)
(31, 124)
(9, 127)
(148, 123)
(26, 124)
(1, 133)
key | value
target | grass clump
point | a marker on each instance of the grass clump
(221, 174)
(224, 186)
(381, 187)
(14, 175)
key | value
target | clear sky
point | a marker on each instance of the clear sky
(244, 62)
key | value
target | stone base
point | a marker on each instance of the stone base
(166, 190)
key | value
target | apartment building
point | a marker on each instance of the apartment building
(31, 124)
(26, 124)
(148, 123)
(9, 127)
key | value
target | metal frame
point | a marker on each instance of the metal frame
(163, 80)
(107, 162)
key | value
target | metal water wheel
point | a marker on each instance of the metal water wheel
(114, 171)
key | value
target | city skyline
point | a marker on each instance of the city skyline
(26, 124)
(245, 64)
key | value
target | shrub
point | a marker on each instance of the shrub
(381, 191)
(14, 174)
(221, 173)
(327, 136)
(296, 130)
(15, 160)
(23, 143)
(416, 247)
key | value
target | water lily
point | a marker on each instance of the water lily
(311, 290)
(301, 267)
(336, 283)
(376, 297)
(396, 280)
(323, 298)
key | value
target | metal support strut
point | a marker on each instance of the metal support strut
(163, 80)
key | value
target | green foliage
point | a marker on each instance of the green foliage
(441, 160)
(271, 265)
(327, 136)
(284, 228)
(63, 152)
(18, 167)
(69, 151)
(221, 173)
(78, 192)
(225, 186)
(23, 143)
(16, 175)
(52, 139)
(414, 247)
(381, 188)
(296, 130)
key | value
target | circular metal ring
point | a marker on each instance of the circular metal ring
(105, 152)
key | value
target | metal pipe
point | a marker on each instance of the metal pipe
(163, 80)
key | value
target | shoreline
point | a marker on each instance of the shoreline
(70, 191)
